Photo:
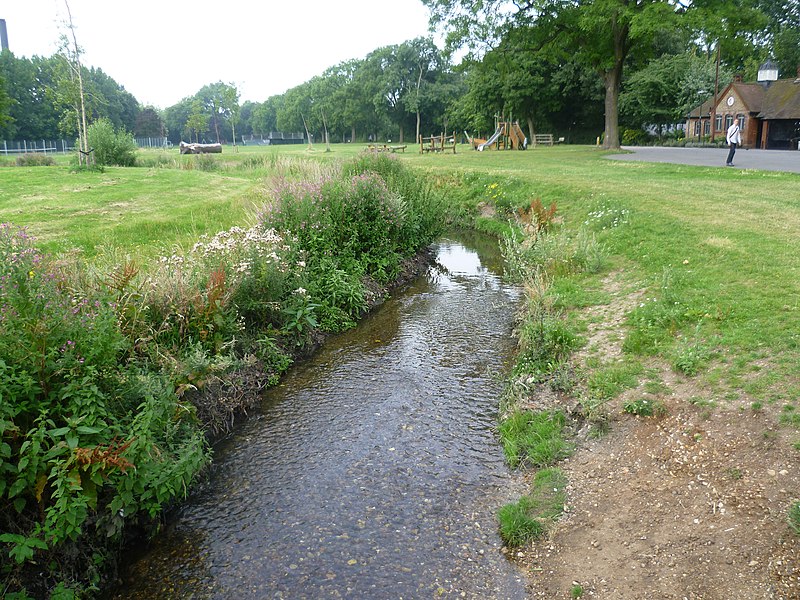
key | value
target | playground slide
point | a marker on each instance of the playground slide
(520, 141)
(498, 132)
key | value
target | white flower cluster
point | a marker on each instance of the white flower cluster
(608, 217)
(237, 240)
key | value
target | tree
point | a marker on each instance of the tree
(175, 119)
(264, 116)
(197, 121)
(213, 99)
(70, 91)
(230, 106)
(110, 100)
(149, 123)
(664, 91)
(5, 107)
(602, 32)
(402, 72)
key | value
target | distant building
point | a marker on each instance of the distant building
(3, 35)
(768, 111)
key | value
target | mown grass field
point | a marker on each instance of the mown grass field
(724, 240)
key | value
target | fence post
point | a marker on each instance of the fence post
(5, 148)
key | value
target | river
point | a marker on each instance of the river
(373, 471)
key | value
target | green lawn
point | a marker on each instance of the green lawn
(726, 239)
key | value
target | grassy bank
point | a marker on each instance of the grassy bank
(702, 259)
(118, 361)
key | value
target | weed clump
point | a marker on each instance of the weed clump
(534, 438)
(528, 518)
(794, 518)
(645, 408)
(35, 160)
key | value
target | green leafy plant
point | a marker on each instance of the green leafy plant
(644, 407)
(111, 147)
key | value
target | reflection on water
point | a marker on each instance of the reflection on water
(372, 471)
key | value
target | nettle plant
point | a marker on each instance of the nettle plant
(84, 442)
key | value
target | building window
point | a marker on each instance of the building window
(741, 120)
(718, 123)
(728, 121)
(697, 128)
(707, 127)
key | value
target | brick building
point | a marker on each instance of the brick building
(768, 112)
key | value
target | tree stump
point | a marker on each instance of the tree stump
(200, 148)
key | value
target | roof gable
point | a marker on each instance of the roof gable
(752, 95)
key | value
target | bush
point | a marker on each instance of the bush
(85, 445)
(111, 147)
(635, 137)
(35, 160)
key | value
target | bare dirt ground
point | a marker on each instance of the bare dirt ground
(689, 505)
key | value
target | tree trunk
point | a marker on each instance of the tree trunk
(200, 148)
(353, 134)
(401, 133)
(531, 132)
(612, 79)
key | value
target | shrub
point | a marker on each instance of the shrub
(35, 160)
(111, 147)
(84, 443)
(423, 217)
(635, 137)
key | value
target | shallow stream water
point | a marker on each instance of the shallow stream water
(373, 470)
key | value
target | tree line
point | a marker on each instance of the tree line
(569, 67)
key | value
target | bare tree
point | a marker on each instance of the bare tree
(71, 53)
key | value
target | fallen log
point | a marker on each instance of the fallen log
(200, 148)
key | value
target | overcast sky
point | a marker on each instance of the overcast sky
(164, 50)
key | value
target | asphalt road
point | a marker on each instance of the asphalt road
(768, 160)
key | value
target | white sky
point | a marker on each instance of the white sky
(164, 50)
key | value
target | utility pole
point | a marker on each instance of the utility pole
(716, 93)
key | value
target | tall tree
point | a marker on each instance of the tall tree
(602, 33)
(149, 123)
(664, 91)
(230, 106)
(70, 85)
(197, 120)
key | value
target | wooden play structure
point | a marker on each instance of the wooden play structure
(507, 135)
(437, 143)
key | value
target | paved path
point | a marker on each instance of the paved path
(768, 160)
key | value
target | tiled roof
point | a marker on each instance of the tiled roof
(782, 100)
(752, 94)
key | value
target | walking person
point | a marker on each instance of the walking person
(734, 138)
